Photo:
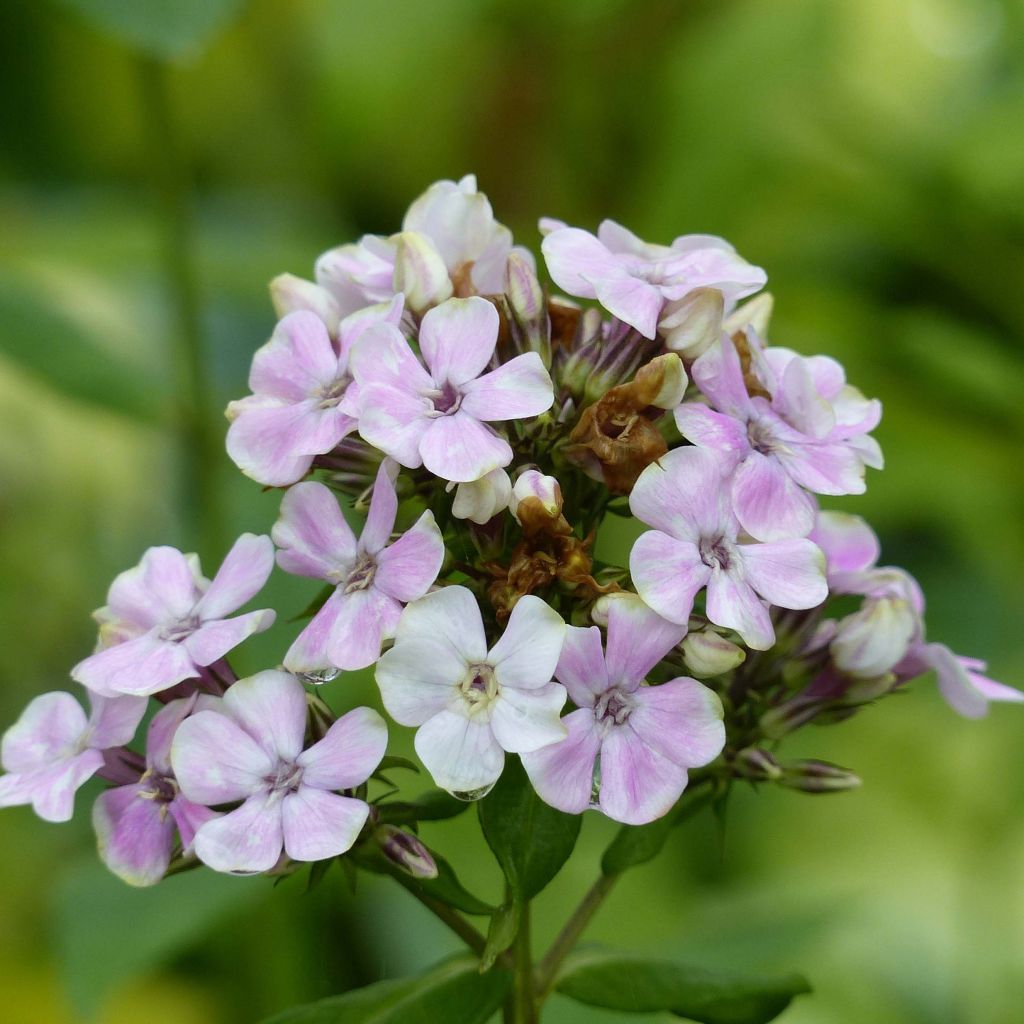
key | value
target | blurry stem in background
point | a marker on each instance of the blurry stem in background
(522, 1005)
(451, 917)
(199, 445)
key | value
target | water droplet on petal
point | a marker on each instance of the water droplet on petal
(324, 675)
(470, 795)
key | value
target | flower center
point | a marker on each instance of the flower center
(331, 394)
(286, 778)
(715, 552)
(177, 631)
(161, 788)
(613, 707)
(479, 687)
(361, 576)
(446, 399)
(761, 438)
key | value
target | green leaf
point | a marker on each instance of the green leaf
(434, 805)
(166, 28)
(501, 933)
(454, 991)
(635, 985)
(530, 840)
(316, 604)
(137, 930)
(637, 844)
(394, 761)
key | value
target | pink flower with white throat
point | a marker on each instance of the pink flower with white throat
(439, 417)
(53, 749)
(302, 402)
(695, 544)
(373, 578)
(629, 745)
(473, 704)
(963, 684)
(135, 824)
(172, 622)
(252, 749)
(637, 281)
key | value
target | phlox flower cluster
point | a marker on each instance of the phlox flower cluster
(452, 443)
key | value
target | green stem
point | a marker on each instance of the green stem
(524, 1000)
(199, 443)
(458, 924)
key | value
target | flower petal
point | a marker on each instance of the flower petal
(349, 752)
(451, 615)
(114, 720)
(732, 603)
(318, 825)
(719, 375)
(768, 503)
(715, 430)
(246, 841)
(365, 618)
(51, 724)
(848, 543)
(461, 448)
(638, 638)
(382, 357)
(407, 568)
(313, 537)
(581, 668)
(460, 753)
(189, 818)
(216, 761)
(271, 707)
(134, 834)
(517, 389)
(161, 588)
(576, 259)
(667, 574)
(524, 720)
(214, 639)
(394, 420)
(562, 773)
(240, 578)
(527, 653)
(418, 678)
(638, 785)
(787, 573)
(681, 720)
(458, 338)
(297, 360)
(681, 494)
(383, 508)
(632, 300)
(141, 666)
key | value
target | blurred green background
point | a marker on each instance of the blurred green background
(868, 153)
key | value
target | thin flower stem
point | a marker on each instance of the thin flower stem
(458, 924)
(567, 938)
(523, 998)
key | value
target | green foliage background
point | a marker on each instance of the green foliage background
(868, 153)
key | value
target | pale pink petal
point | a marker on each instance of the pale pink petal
(955, 683)
(271, 707)
(449, 615)
(638, 785)
(460, 753)
(576, 260)
(989, 688)
(114, 720)
(241, 576)
(394, 420)
(365, 618)
(51, 790)
(667, 574)
(632, 300)
(216, 761)
(189, 818)
(318, 825)
(787, 573)
(407, 568)
(419, 677)
(161, 588)
(297, 360)
(458, 338)
(562, 773)
(798, 400)
(680, 494)
(767, 502)
(212, 640)
(311, 533)
(524, 720)
(381, 356)
(515, 390)
(352, 328)
(848, 543)
(825, 468)
(349, 752)
(681, 720)
(874, 639)
(581, 665)
(708, 429)
(732, 603)
(246, 841)
(383, 508)
(162, 728)
(461, 448)
(309, 652)
(719, 375)
(49, 728)
(638, 638)
(134, 834)
(141, 666)
(527, 653)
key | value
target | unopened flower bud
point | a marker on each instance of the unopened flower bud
(755, 313)
(708, 654)
(289, 293)
(526, 301)
(544, 489)
(405, 850)
(694, 323)
(602, 606)
(481, 500)
(757, 764)
(782, 720)
(420, 272)
(871, 641)
(813, 776)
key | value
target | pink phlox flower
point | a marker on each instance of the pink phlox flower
(303, 402)
(695, 544)
(802, 439)
(473, 704)
(169, 621)
(252, 749)
(53, 749)
(135, 824)
(629, 745)
(438, 416)
(636, 281)
(372, 578)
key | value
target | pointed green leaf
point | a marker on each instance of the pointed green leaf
(501, 934)
(637, 844)
(452, 991)
(434, 805)
(530, 840)
(635, 985)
